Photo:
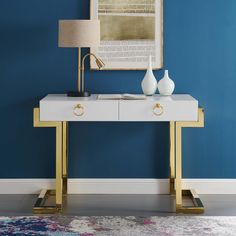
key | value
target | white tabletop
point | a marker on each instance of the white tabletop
(93, 97)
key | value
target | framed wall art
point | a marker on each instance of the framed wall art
(131, 30)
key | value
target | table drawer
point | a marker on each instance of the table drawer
(79, 110)
(158, 111)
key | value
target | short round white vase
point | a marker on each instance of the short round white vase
(166, 86)
(149, 82)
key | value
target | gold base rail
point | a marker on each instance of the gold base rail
(40, 208)
(197, 207)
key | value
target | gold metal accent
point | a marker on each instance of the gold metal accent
(158, 109)
(178, 178)
(61, 165)
(40, 208)
(65, 157)
(78, 110)
(172, 157)
(79, 70)
(99, 62)
(198, 206)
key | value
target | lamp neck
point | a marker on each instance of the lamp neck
(88, 54)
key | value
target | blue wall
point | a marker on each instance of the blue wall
(199, 51)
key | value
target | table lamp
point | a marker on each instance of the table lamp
(80, 34)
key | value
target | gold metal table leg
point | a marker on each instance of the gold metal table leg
(178, 178)
(61, 166)
(177, 140)
(65, 157)
(172, 158)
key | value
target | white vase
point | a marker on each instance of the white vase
(149, 83)
(166, 86)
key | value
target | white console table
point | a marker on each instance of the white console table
(180, 111)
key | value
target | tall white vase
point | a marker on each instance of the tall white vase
(149, 83)
(166, 86)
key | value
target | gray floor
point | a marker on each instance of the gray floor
(118, 205)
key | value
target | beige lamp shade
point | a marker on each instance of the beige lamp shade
(79, 33)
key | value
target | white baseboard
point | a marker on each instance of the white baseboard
(117, 186)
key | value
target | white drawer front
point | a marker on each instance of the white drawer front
(79, 111)
(158, 111)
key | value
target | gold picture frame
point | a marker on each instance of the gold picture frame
(128, 28)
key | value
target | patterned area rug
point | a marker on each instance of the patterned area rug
(118, 226)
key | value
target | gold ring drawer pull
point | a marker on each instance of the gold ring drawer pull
(158, 109)
(78, 110)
